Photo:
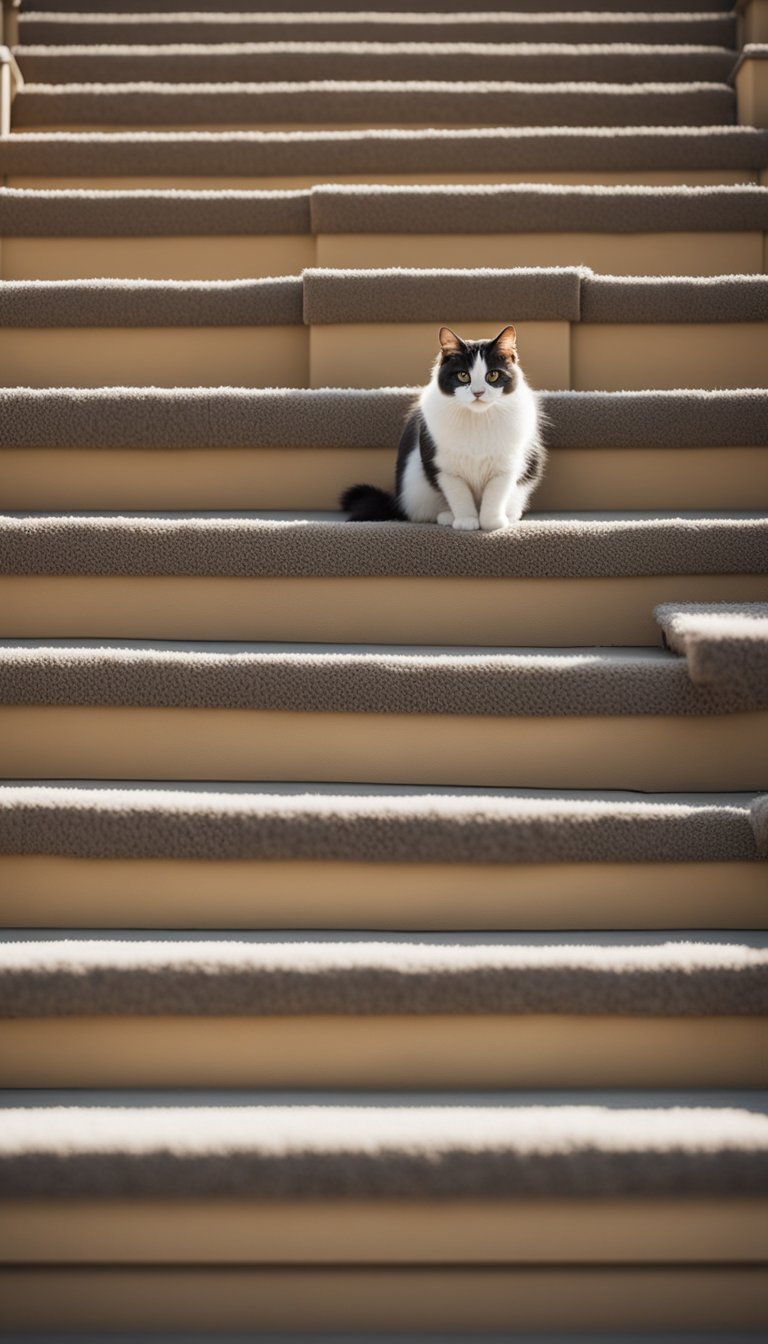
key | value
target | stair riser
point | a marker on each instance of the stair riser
(691, 177)
(533, 612)
(643, 752)
(248, 1298)
(557, 355)
(313, 478)
(382, 1231)
(229, 258)
(56, 892)
(483, 1051)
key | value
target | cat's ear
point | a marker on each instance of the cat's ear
(506, 343)
(450, 343)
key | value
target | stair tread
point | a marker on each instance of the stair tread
(308, 102)
(273, 61)
(191, 417)
(282, 974)
(732, 676)
(478, 150)
(309, 1151)
(373, 823)
(384, 209)
(310, 545)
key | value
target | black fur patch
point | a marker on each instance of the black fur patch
(369, 504)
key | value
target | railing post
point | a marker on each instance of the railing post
(9, 22)
(10, 83)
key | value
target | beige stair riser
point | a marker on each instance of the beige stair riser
(171, 258)
(663, 177)
(382, 1231)
(230, 258)
(556, 355)
(753, 22)
(56, 892)
(543, 612)
(337, 1298)
(714, 253)
(156, 356)
(489, 1051)
(658, 754)
(313, 478)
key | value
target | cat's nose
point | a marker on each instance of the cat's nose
(480, 394)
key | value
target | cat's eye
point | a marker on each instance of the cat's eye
(463, 377)
(493, 376)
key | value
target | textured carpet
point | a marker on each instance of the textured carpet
(375, 825)
(535, 209)
(567, 293)
(282, 976)
(717, 29)
(252, 62)
(151, 303)
(394, 6)
(253, 547)
(167, 418)
(381, 210)
(352, 680)
(725, 644)
(405, 1151)
(507, 149)
(435, 102)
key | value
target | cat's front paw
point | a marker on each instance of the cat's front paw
(445, 519)
(466, 524)
(493, 522)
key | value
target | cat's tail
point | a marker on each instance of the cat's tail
(369, 504)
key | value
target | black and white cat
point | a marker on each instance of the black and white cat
(471, 453)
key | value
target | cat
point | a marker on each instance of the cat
(471, 453)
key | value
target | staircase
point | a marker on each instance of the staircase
(384, 951)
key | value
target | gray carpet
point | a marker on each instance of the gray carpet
(151, 303)
(381, 210)
(367, 824)
(725, 644)
(567, 293)
(348, 679)
(542, 294)
(506, 149)
(440, 61)
(213, 975)
(434, 102)
(251, 547)
(409, 1151)
(393, 6)
(716, 29)
(535, 209)
(168, 418)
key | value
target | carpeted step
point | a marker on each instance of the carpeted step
(484, 153)
(348, 1148)
(672, 328)
(121, 448)
(336, 1010)
(117, 854)
(370, 103)
(713, 29)
(283, 61)
(374, 825)
(566, 579)
(618, 230)
(491, 717)
(394, 6)
(723, 644)
(349, 679)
